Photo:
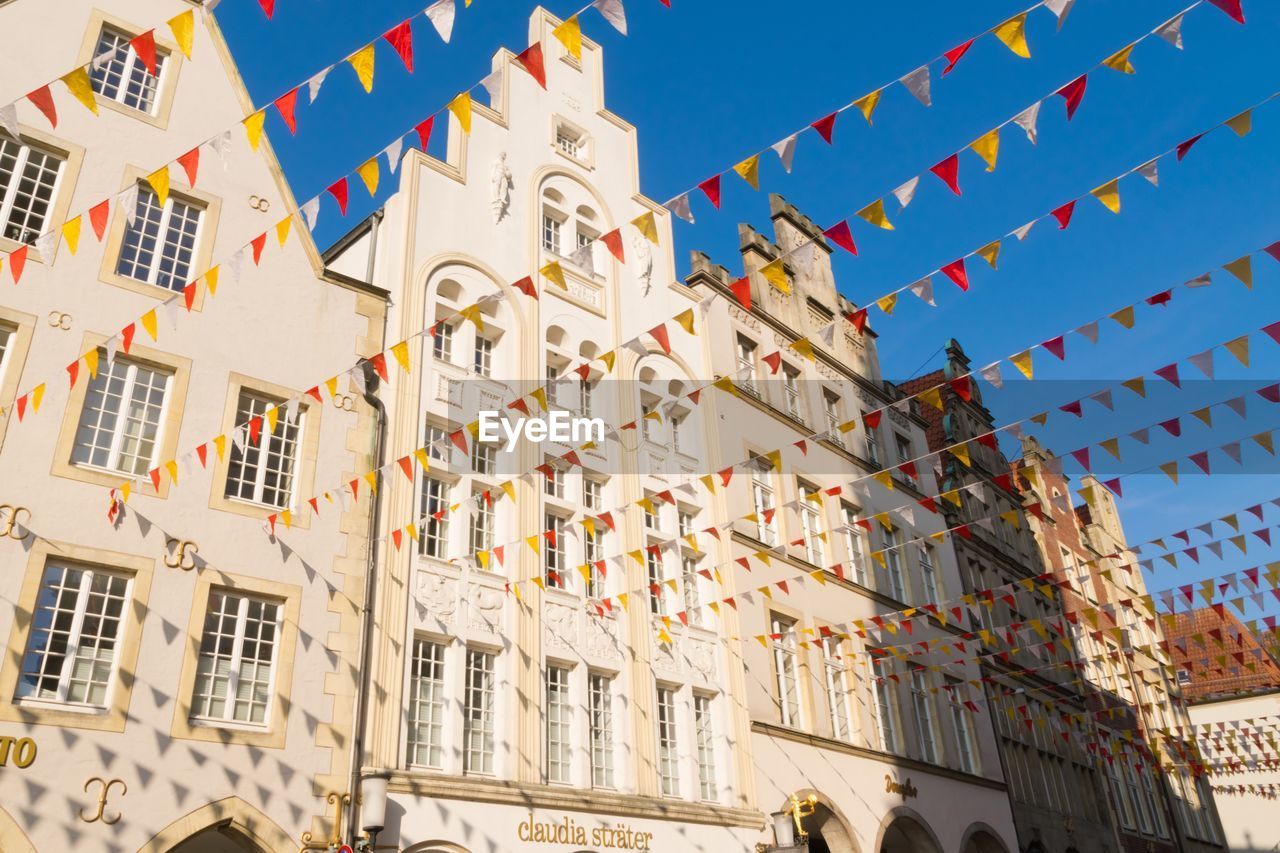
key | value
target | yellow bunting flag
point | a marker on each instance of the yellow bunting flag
(987, 147)
(362, 62)
(775, 275)
(71, 233)
(1109, 195)
(874, 213)
(1013, 33)
(887, 303)
(1171, 470)
(159, 181)
(211, 280)
(990, 253)
(37, 394)
(78, 85)
(554, 274)
(884, 479)
(1242, 268)
(1264, 441)
(1242, 123)
(149, 323)
(540, 396)
(220, 445)
(472, 313)
(282, 229)
(91, 362)
(183, 27)
(1240, 349)
(1022, 361)
(273, 418)
(368, 173)
(1120, 60)
(401, 353)
(1124, 317)
(867, 104)
(749, 171)
(461, 109)
(609, 359)
(685, 320)
(1112, 446)
(804, 348)
(961, 452)
(1137, 385)
(253, 128)
(569, 34)
(933, 397)
(647, 226)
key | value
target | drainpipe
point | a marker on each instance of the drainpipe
(371, 385)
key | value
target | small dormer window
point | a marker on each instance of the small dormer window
(571, 141)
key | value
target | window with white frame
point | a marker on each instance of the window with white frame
(121, 419)
(481, 523)
(885, 711)
(650, 513)
(119, 74)
(592, 493)
(236, 665)
(905, 453)
(855, 543)
(426, 704)
(893, 565)
(478, 714)
(684, 522)
(704, 734)
(583, 243)
(553, 485)
(791, 388)
(482, 363)
(811, 525)
(442, 342)
(263, 473)
(692, 598)
(762, 501)
(648, 421)
(668, 752)
(786, 665)
(594, 550)
(586, 393)
(570, 142)
(678, 441)
(551, 232)
(600, 708)
(483, 458)
(434, 518)
(831, 412)
(6, 343)
(653, 568)
(552, 385)
(159, 246)
(871, 444)
(837, 688)
(559, 720)
(747, 364)
(930, 583)
(553, 551)
(922, 707)
(29, 178)
(437, 442)
(75, 634)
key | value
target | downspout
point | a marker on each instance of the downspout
(371, 385)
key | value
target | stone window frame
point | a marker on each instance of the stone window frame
(73, 160)
(23, 327)
(168, 85)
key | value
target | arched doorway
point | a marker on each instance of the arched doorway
(229, 825)
(908, 834)
(217, 839)
(827, 832)
(983, 840)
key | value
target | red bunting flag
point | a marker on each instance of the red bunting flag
(1073, 94)
(1271, 393)
(1173, 426)
(202, 452)
(1073, 408)
(423, 129)
(841, 236)
(1114, 486)
(1063, 215)
(949, 172)
(98, 215)
(1232, 8)
(825, 127)
(43, 99)
(858, 319)
(258, 243)
(190, 163)
(406, 465)
(1169, 373)
(871, 420)
(725, 475)
(400, 37)
(17, 261)
(956, 272)
(525, 286)
(255, 429)
(338, 189)
(285, 106)
(268, 6)
(379, 363)
(1161, 298)
(459, 440)
(145, 46)
(1184, 147)
(1201, 459)
(1272, 331)
(189, 296)
(953, 56)
(711, 186)
(963, 388)
(126, 337)
(1057, 346)
(1274, 250)
(73, 371)
(774, 360)
(659, 333)
(1082, 456)
(530, 60)
(613, 240)
(741, 290)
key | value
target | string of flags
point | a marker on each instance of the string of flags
(1231, 520)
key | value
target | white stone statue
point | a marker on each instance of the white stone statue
(500, 185)
(643, 258)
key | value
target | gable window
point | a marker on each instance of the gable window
(786, 669)
(159, 245)
(119, 74)
(263, 473)
(120, 421)
(237, 656)
(571, 142)
(28, 179)
(76, 630)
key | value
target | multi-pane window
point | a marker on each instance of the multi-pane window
(593, 550)
(811, 525)
(871, 444)
(592, 493)
(553, 484)
(964, 727)
(831, 411)
(747, 364)
(559, 720)
(692, 600)
(553, 552)
(762, 501)
(854, 544)
(550, 233)
(584, 241)
(159, 246)
(120, 422)
(567, 142)
(786, 665)
(76, 629)
(434, 518)
(481, 524)
(903, 446)
(552, 385)
(483, 360)
(648, 430)
(668, 753)
(442, 342)
(650, 514)
(437, 443)
(893, 564)
(263, 473)
(929, 580)
(684, 522)
(478, 713)
(426, 704)
(886, 714)
(6, 340)
(922, 706)
(600, 707)
(484, 458)
(586, 392)
(791, 387)
(704, 733)
(28, 181)
(119, 74)
(653, 567)
(837, 688)
(237, 657)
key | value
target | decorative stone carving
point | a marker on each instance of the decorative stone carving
(602, 637)
(438, 594)
(560, 624)
(642, 261)
(484, 608)
(744, 318)
(500, 184)
(702, 657)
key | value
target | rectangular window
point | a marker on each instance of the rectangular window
(893, 565)
(592, 493)
(684, 522)
(831, 411)
(553, 485)
(442, 342)
(905, 453)
(871, 444)
(786, 666)
(704, 732)
(550, 233)
(552, 385)
(28, 181)
(963, 725)
(584, 241)
(648, 419)
(159, 246)
(75, 632)
(811, 526)
(886, 713)
(668, 756)
(6, 340)
(435, 528)
(426, 704)
(837, 688)
(594, 551)
(677, 433)
(481, 523)
(437, 443)
(483, 458)
(692, 600)
(553, 551)
(237, 658)
(747, 364)
(483, 361)
(600, 689)
(929, 576)
(569, 142)
(922, 706)
(653, 566)
(586, 392)
(762, 499)
(855, 544)
(263, 473)
(791, 387)
(478, 713)
(559, 720)
(117, 73)
(120, 422)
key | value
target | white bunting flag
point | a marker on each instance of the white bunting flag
(991, 373)
(1238, 405)
(1021, 232)
(492, 84)
(1232, 449)
(1061, 8)
(1171, 30)
(441, 15)
(393, 153)
(803, 257)
(128, 202)
(905, 193)
(786, 150)
(680, 207)
(1204, 362)
(1089, 331)
(1027, 120)
(917, 83)
(1151, 172)
(1202, 280)
(1103, 398)
(613, 13)
(111, 346)
(828, 334)
(46, 243)
(924, 290)
(311, 213)
(314, 84)
(9, 120)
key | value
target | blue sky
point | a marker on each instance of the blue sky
(709, 83)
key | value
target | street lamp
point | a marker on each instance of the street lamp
(789, 835)
(373, 805)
